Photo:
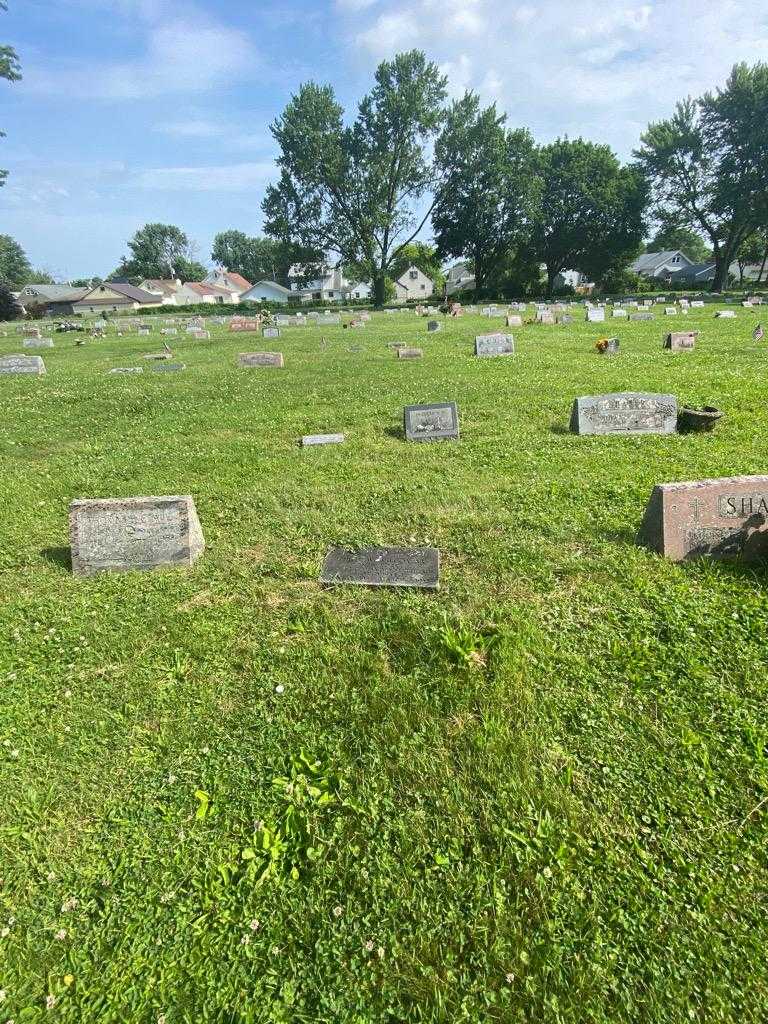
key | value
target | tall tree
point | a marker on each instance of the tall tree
(257, 259)
(671, 235)
(10, 70)
(159, 251)
(423, 256)
(592, 211)
(489, 191)
(15, 270)
(9, 307)
(753, 251)
(708, 163)
(359, 191)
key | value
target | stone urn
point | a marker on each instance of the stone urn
(698, 420)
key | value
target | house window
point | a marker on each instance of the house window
(413, 274)
(423, 287)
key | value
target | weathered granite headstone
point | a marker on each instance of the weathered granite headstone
(409, 353)
(619, 313)
(546, 318)
(513, 320)
(121, 534)
(201, 335)
(439, 422)
(726, 314)
(22, 364)
(434, 325)
(37, 342)
(383, 567)
(144, 331)
(627, 412)
(595, 315)
(241, 326)
(721, 518)
(680, 341)
(173, 330)
(169, 367)
(328, 319)
(487, 345)
(565, 319)
(271, 332)
(251, 359)
(315, 439)
(697, 304)
(126, 369)
(641, 316)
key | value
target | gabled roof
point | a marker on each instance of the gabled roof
(270, 284)
(229, 278)
(402, 279)
(654, 260)
(163, 287)
(53, 292)
(129, 291)
(207, 289)
(238, 281)
(695, 270)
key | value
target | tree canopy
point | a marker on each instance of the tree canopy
(489, 190)
(15, 270)
(359, 191)
(708, 163)
(10, 70)
(671, 235)
(9, 307)
(160, 251)
(257, 259)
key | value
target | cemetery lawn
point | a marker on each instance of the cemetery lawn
(229, 795)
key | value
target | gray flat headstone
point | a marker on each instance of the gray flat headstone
(494, 345)
(514, 320)
(22, 364)
(383, 567)
(641, 316)
(409, 353)
(680, 341)
(328, 319)
(627, 412)
(127, 369)
(726, 314)
(722, 518)
(251, 359)
(434, 325)
(169, 367)
(315, 439)
(121, 534)
(38, 343)
(438, 422)
(271, 332)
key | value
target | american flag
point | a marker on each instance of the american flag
(758, 334)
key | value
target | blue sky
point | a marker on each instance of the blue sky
(140, 110)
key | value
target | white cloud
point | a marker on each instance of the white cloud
(354, 5)
(389, 33)
(243, 177)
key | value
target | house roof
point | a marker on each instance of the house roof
(238, 281)
(158, 285)
(402, 279)
(271, 284)
(230, 279)
(53, 292)
(207, 289)
(654, 260)
(695, 270)
(129, 291)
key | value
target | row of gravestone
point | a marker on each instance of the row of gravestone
(724, 518)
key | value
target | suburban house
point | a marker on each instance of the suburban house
(660, 265)
(113, 296)
(413, 284)
(330, 286)
(459, 279)
(211, 293)
(50, 299)
(220, 277)
(696, 274)
(171, 293)
(266, 291)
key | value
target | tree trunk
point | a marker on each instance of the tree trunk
(762, 268)
(552, 273)
(721, 271)
(379, 289)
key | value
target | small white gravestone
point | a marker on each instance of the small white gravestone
(595, 315)
(123, 534)
(619, 313)
(316, 439)
(38, 342)
(670, 311)
(726, 314)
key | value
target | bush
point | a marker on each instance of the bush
(9, 307)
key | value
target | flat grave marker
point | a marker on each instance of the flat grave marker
(309, 440)
(409, 353)
(122, 534)
(169, 367)
(434, 325)
(383, 567)
(271, 332)
(248, 360)
(627, 412)
(514, 320)
(488, 345)
(22, 364)
(680, 341)
(436, 422)
(37, 342)
(725, 518)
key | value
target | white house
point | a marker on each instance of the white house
(266, 291)
(220, 277)
(330, 286)
(113, 296)
(170, 293)
(459, 279)
(660, 265)
(413, 284)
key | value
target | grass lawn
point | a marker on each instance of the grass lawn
(538, 795)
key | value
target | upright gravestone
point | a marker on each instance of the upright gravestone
(565, 319)
(726, 314)
(271, 332)
(721, 518)
(38, 342)
(409, 353)
(680, 341)
(697, 304)
(595, 315)
(641, 316)
(120, 534)
(434, 325)
(248, 360)
(439, 422)
(383, 567)
(670, 311)
(514, 320)
(487, 345)
(627, 412)
(619, 313)
(22, 364)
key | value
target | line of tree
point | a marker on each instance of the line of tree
(10, 70)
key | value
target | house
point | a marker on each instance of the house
(220, 277)
(212, 294)
(413, 284)
(459, 279)
(266, 291)
(329, 286)
(361, 290)
(50, 299)
(696, 274)
(660, 265)
(113, 296)
(570, 279)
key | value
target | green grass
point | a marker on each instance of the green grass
(538, 795)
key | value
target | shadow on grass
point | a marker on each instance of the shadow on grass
(58, 556)
(398, 432)
(559, 428)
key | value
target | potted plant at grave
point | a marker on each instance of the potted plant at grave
(609, 345)
(692, 420)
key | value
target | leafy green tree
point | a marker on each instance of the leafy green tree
(15, 270)
(489, 191)
(39, 276)
(10, 70)
(752, 251)
(423, 256)
(9, 307)
(257, 259)
(358, 191)
(86, 282)
(160, 251)
(671, 235)
(591, 216)
(708, 163)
